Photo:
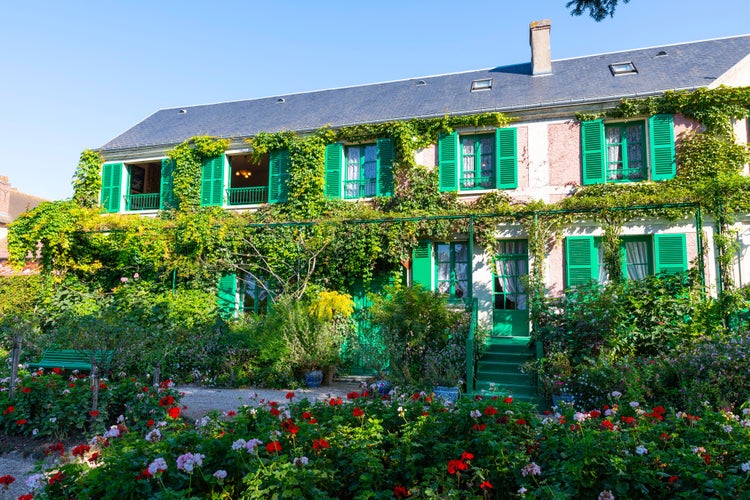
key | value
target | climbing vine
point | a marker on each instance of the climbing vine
(187, 159)
(87, 179)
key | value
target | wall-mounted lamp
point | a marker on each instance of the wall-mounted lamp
(244, 173)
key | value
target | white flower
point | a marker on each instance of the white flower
(36, 481)
(158, 465)
(121, 419)
(727, 428)
(580, 417)
(472, 414)
(641, 450)
(239, 444)
(745, 467)
(66, 391)
(113, 432)
(616, 394)
(522, 490)
(745, 423)
(35, 432)
(301, 461)
(188, 461)
(220, 474)
(531, 469)
(634, 404)
(53, 419)
(153, 436)
(746, 411)
(698, 450)
(606, 495)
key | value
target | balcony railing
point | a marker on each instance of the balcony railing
(148, 201)
(247, 195)
(361, 188)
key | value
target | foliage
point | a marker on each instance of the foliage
(425, 341)
(187, 158)
(57, 404)
(414, 446)
(87, 179)
(597, 9)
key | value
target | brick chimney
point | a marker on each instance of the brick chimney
(541, 59)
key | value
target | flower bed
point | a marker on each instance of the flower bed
(369, 446)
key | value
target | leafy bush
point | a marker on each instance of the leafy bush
(425, 340)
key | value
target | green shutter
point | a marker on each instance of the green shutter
(212, 181)
(278, 179)
(333, 160)
(670, 253)
(448, 161)
(661, 135)
(227, 295)
(386, 154)
(421, 265)
(581, 260)
(166, 190)
(111, 186)
(593, 151)
(506, 169)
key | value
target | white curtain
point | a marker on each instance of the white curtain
(636, 253)
(614, 152)
(603, 274)
(352, 172)
(469, 168)
(509, 271)
(370, 169)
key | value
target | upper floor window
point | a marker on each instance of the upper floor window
(625, 151)
(359, 171)
(360, 180)
(628, 151)
(478, 161)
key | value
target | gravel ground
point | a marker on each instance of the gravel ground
(197, 401)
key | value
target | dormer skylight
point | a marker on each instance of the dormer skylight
(622, 68)
(485, 84)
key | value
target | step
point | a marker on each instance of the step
(515, 390)
(506, 357)
(503, 378)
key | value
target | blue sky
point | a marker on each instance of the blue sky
(77, 74)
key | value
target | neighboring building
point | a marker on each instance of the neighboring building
(541, 156)
(12, 204)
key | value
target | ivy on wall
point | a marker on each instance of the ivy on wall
(196, 243)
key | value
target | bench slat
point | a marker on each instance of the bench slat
(71, 359)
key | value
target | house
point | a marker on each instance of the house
(12, 204)
(547, 151)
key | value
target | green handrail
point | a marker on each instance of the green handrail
(147, 201)
(470, 347)
(247, 195)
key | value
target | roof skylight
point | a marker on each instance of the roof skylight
(485, 84)
(623, 68)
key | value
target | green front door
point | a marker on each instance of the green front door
(510, 302)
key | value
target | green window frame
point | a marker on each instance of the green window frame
(495, 155)
(254, 297)
(226, 295)
(477, 161)
(452, 261)
(360, 171)
(111, 187)
(510, 264)
(621, 152)
(625, 144)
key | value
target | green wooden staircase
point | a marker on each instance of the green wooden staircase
(498, 371)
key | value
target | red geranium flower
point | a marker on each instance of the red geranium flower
(357, 412)
(7, 480)
(273, 446)
(166, 401)
(22, 421)
(150, 422)
(57, 370)
(174, 412)
(521, 421)
(335, 401)
(319, 444)
(352, 395)
(306, 415)
(26, 390)
(94, 413)
(9, 409)
(456, 465)
(94, 457)
(673, 479)
(57, 477)
(81, 450)
(466, 456)
(479, 427)
(486, 485)
(400, 492)
(508, 400)
(290, 395)
(27, 496)
(490, 410)
(231, 413)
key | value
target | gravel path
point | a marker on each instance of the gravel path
(197, 402)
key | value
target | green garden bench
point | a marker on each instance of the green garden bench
(72, 359)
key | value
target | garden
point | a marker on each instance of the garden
(651, 375)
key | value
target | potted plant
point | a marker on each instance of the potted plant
(553, 372)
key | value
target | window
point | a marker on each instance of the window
(477, 161)
(623, 68)
(625, 151)
(510, 264)
(628, 151)
(212, 181)
(639, 256)
(254, 295)
(485, 84)
(361, 171)
(451, 269)
(249, 180)
(145, 185)
(446, 270)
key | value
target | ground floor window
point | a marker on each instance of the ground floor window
(451, 269)
(510, 265)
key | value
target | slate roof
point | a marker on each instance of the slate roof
(577, 80)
